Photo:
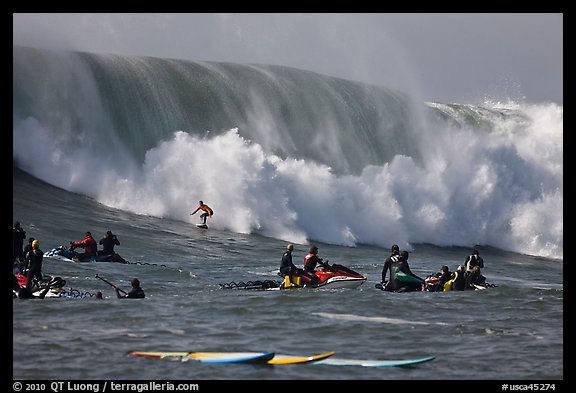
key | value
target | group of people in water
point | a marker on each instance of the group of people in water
(27, 261)
(306, 275)
(91, 252)
(396, 273)
(467, 276)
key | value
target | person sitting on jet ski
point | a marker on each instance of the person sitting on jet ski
(474, 259)
(89, 245)
(401, 277)
(394, 255)
(310, 262)
(444, 275)
(459, 278)
(474, 278)
(107, 253)
(108, 242)
(287, 268)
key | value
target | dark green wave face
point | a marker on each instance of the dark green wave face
(140, 101)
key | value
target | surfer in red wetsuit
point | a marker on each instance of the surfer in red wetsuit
(208, 212)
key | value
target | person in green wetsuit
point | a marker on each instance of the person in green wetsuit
(394, 256)
(401, 277)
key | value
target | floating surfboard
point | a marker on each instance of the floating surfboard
(207, 357)
(373, 363)
(213, 357)
(290, 359)
(203, 226)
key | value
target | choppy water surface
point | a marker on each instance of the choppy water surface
(513, 331)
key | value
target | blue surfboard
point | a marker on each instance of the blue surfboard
(373, 363)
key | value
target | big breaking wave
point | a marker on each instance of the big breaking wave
(290, 154)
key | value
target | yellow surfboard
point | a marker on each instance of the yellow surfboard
(290, 359)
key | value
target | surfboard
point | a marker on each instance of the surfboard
(373, 363)
(203, 226)
(291, 359)
(212, 357)
(209, 357)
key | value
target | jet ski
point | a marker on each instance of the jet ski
(431, 283)
(69, 255)
(329, 276)
(49, 286)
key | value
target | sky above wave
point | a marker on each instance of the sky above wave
(465, 58)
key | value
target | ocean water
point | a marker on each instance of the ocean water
(511, 332)
(282, 155)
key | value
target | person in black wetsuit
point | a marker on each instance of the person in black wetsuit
(394, 255)
(28, 246)
(107, 253)
(18, 236)
(288, 268)
(474, 259)
(473, 278)
(445, 275)
(459, 278)
(34, 264)
(401, 277)
(135, 293)
(108, 242)
(22, 266)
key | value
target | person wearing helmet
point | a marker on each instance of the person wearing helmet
(208, 212)
(90, 248)
(394, 255)
(34, 264)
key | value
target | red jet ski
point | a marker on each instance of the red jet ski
(329, 276)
